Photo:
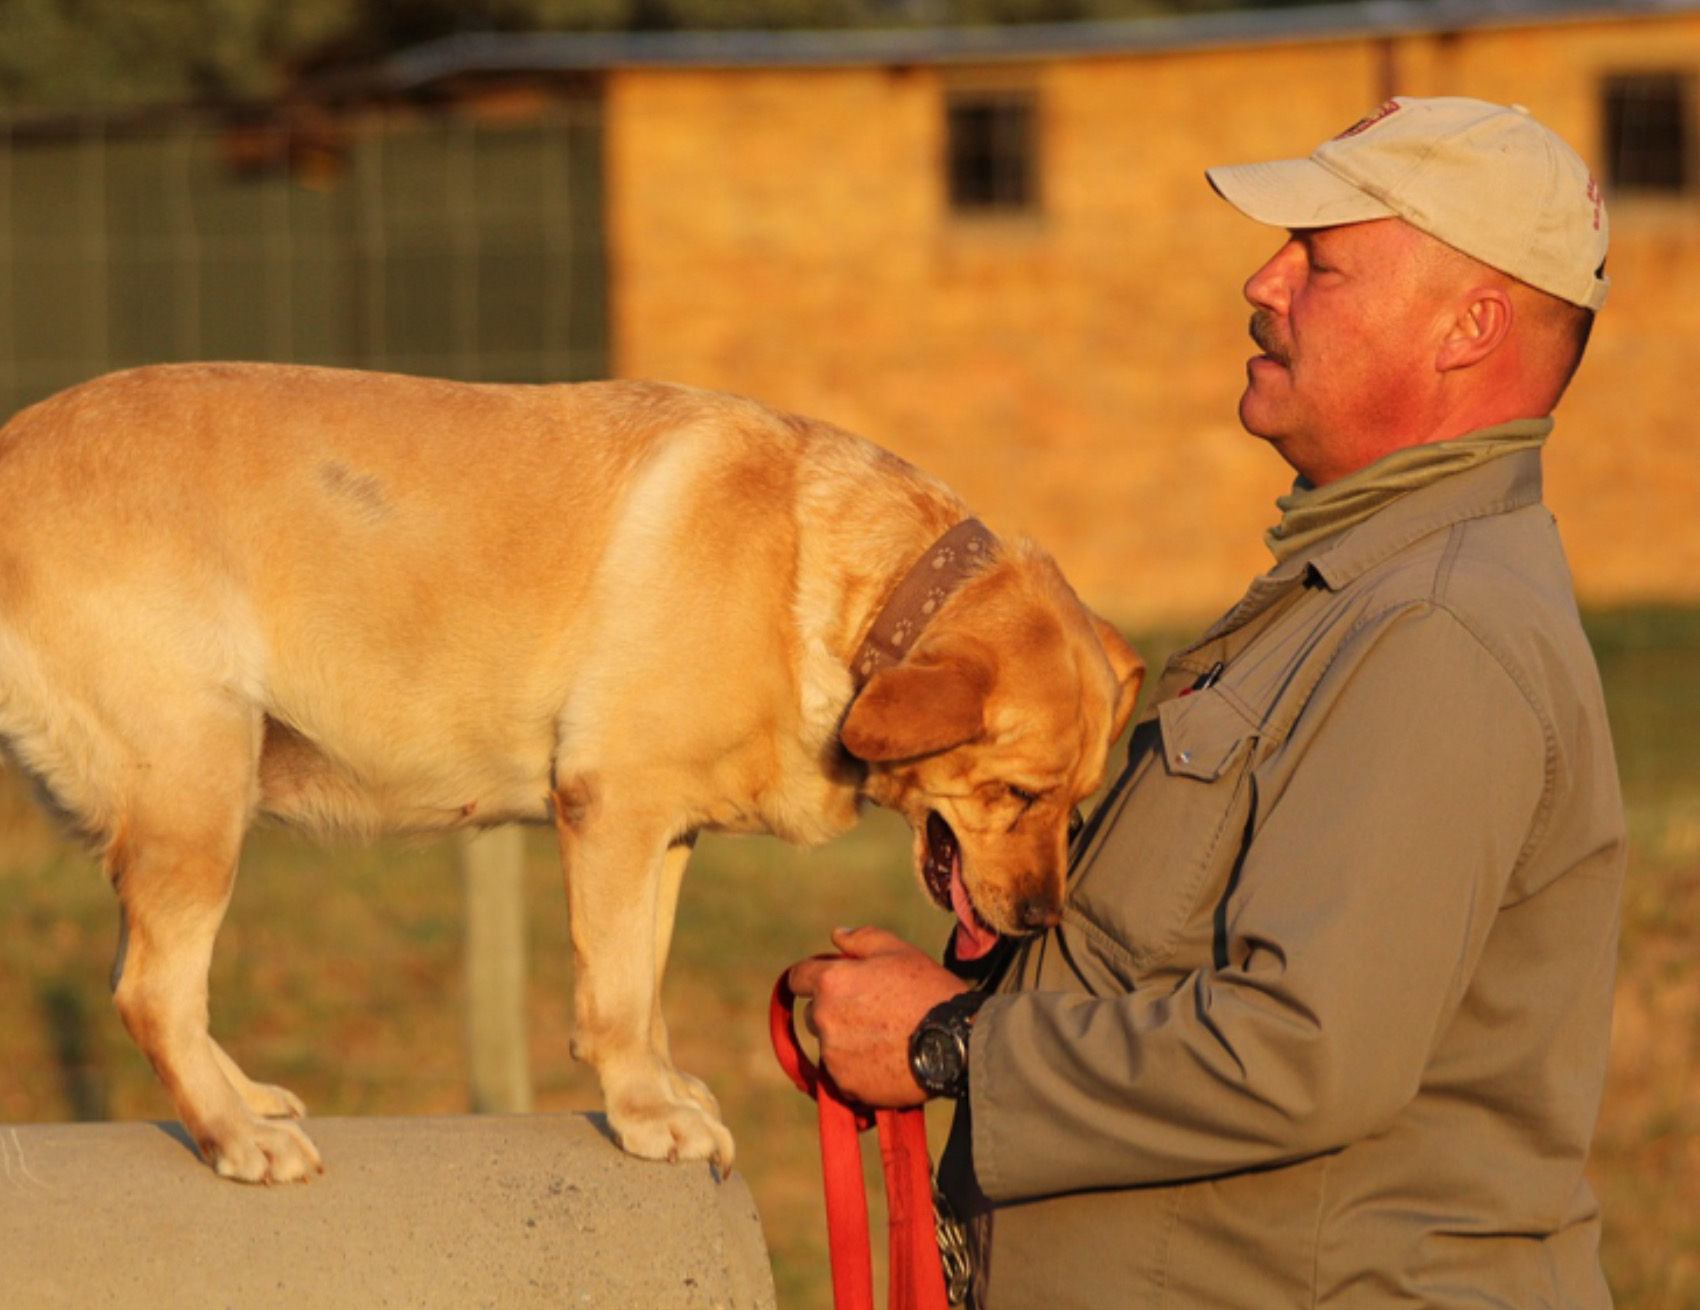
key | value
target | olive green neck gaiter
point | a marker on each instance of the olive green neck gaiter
(1312, 514)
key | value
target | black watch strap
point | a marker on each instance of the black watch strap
(963, 1006)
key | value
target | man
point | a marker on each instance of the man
(1325, 1021)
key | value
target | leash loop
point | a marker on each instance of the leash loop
(808, 1076)
(917, 1277)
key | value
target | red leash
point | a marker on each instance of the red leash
(917, 1278)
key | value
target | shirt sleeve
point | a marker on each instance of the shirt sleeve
(1385, 830)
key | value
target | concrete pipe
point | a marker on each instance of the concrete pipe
(501, 1211)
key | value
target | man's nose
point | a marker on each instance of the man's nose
(1268, 287)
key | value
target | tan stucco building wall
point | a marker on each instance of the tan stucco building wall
(785, 233)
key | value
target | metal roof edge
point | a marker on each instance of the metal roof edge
(493, 52)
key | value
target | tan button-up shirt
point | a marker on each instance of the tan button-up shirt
(1325, 1023)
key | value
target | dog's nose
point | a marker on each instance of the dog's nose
(1037, 912)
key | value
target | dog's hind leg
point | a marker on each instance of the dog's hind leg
(172, 861)
(615, 855)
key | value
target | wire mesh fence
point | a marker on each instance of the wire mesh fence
(432, 242)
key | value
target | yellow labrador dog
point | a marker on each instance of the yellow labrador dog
(360, 603)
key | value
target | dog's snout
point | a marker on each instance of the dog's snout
(1036, 913)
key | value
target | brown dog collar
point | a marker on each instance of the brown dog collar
(944, 567)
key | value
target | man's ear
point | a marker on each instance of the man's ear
(931, 702)
(1479, 329)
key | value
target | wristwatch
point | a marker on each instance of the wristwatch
(938, 1048)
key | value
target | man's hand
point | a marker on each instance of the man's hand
(863, 1009)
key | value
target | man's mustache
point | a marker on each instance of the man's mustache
(1264, 334)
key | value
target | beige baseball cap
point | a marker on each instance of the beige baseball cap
(1486, 180)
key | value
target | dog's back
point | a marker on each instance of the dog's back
(399, 583)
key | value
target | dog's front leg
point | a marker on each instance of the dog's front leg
(620, 880)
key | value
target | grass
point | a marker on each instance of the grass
(1647, 1151)
(339, 975)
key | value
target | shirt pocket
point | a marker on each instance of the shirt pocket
(1161, 857)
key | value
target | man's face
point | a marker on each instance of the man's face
(1346, 318)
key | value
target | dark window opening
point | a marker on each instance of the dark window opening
(993, 144)
(1649, 145)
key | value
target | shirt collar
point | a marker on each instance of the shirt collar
(1510, 481)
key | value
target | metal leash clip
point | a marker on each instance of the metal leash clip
(953, 1249)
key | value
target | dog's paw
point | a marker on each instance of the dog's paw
(262, 1099)
(694, 1090)
(673, 1131)
(266, 1151)
(269, 1102)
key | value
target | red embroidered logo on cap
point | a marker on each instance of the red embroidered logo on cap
(1364, 124)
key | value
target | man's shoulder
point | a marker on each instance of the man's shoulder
(1480, 542)
(1498, 564)
(1504, 581)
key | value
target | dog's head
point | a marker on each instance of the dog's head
(990, 733)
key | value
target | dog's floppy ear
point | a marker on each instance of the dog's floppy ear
(1128, 668)
(932, 701)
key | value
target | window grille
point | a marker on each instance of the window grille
(1649, 133)
(993, 152)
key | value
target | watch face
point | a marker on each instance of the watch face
(936, 1060)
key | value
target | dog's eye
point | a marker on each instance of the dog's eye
(1025, 797)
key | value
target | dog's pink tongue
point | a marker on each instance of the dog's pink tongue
(973, 938)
